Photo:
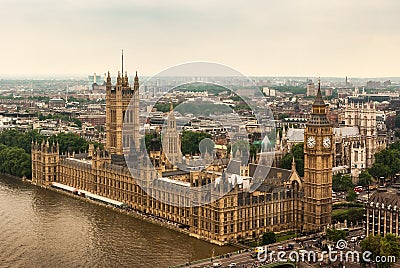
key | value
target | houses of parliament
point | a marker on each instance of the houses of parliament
(283, 202)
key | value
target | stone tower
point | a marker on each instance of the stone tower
(318, 155)
(45, 158)
(122, 114)
(171, 143)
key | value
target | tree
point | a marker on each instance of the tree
(378, 170)
(190, 141)
(15, 161)
(70, 142)
(268, 238)
(283, 116)
(382, 246)
(15, 138)
(292, 89)
(390, 246)
(342, 183)
(395, 146)
(354, 215)
(61, 117)
(387, 162)
(298, 153)
(77, 122)
(335, 235)
(364, 179)
(372, 244)
(254, 150)
(397, 121)
(351, 196)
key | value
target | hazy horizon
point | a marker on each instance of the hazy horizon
(114, 75)
(263, 38)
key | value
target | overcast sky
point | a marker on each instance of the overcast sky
(355, 38)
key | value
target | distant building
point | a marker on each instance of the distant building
(94, 79)
(56, 103)
(383, 212)
(269, 91)
(373, 84)
(328, 91)
(387, 83)
(355, 141)
(93, 119)
(311, 90)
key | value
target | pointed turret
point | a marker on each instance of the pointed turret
(126, 80)
(293, 164)
(318, 114)
(136, 83)
(278, 141)
(171, 117)
(108, 82)
(119, 79)
(319, 100)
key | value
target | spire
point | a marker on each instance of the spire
(125, 79)
(171, 117)
(122, 61)
(136, 83)
(278, 141)
(318, 99)
(108, 78)
(293, 164)
(318, 114)
(319, 104)
(119, 81)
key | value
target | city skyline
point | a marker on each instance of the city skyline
(289, 38)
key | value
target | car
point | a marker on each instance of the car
(280, 247)
(216, 264)
(259, 249)
(232, 265)
(372, 187)
(358, 189)
(353, 239)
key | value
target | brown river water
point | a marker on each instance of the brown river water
(42, 228)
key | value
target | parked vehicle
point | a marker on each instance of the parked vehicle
(358, 189)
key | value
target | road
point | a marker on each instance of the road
(245, 259)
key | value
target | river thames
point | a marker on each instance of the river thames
(42, 228)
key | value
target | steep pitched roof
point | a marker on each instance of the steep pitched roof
(387, 198)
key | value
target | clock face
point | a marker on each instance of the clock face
(326, 142)
(311, 142)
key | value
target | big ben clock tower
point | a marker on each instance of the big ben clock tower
(318, 152)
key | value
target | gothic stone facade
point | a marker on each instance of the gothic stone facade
(283, 202)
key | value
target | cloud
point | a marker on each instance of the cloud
(257, 37)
